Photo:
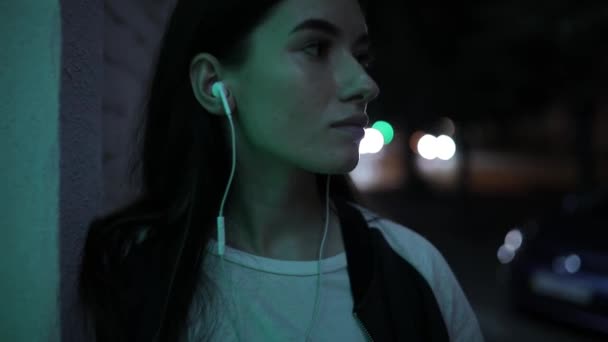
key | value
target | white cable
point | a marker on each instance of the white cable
(218, 90)
(317, 295)
(221, 231)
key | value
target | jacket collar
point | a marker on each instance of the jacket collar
(359, 252)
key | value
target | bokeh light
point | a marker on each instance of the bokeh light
(567, 264)
(427, 147)
(572, 263)
(505, 255)
(447, 126)
(445, 147)
(514, 239)
(372, 142)
(414, 139)
(386, 129)
(431, 147)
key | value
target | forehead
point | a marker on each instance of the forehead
(346, 15)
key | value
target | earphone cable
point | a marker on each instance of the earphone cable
(317, 295)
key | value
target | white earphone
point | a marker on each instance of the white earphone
(219, 90)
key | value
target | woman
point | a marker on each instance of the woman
(291, 71)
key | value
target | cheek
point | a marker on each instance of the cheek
(307, 100)
(305, 83)
(289, 102)
(294, 107)
(266, 122)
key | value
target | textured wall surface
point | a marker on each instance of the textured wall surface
(108, 49)
(30, 56)
(80, 141)
(132, 34)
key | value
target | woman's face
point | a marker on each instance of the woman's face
(298, 82)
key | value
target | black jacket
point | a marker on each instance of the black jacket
(391, 298)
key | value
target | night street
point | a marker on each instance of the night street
(468, 233)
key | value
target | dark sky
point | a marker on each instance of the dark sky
(497, 57)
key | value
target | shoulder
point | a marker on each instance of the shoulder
(409, 244)
(430, 263)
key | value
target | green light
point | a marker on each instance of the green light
(386, 129)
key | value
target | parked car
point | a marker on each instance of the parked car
(558, 263)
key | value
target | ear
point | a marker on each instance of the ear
(204, 71)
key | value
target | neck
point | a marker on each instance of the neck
(270, 225)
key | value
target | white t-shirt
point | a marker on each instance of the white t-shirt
(267, 300)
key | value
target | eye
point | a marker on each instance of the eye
(367, 59)
(321, 46)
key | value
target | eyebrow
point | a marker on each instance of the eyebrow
(328, 28)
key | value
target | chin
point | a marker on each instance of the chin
(344, 164)
(335, 161)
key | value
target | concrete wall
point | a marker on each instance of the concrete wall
(30, 57)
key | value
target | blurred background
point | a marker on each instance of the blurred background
(488, 138)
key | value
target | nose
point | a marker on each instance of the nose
(363, 89)
(370, 89)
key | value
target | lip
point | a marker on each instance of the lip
(359, 120)
(356, 132)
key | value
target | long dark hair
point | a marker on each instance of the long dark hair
(184, 167)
